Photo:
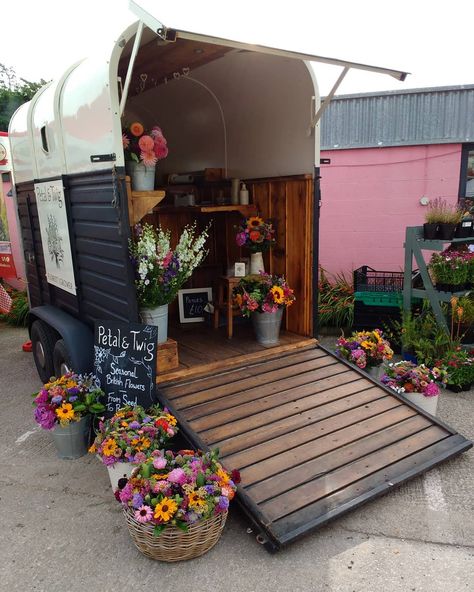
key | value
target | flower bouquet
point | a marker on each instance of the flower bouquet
(263, 297)
(365, 349)
(419, 384)
(176, 504)
(130, 436)
(64, 406)
(257, 236)
(142, 151)
(146, 147)
(161, 271)
(459, 366)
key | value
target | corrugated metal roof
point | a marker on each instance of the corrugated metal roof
(437, 115)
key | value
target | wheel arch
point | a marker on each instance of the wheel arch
(77, 336)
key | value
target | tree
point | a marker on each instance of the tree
(13, 93)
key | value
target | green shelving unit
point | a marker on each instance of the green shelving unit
(414, 245)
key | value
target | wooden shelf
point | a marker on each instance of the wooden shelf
(141, 202)
(245, 210)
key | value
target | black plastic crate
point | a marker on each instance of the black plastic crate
(374, 317)
(367, 279)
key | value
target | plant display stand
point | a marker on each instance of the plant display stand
(415, 244)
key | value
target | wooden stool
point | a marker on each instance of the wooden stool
(225, 287)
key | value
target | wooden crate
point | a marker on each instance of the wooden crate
(167, 356)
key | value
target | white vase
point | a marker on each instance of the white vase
(157, 316)
(118, 471)
(143, 177)
(256, 263)
(428, 404)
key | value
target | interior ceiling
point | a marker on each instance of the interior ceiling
(159, 60)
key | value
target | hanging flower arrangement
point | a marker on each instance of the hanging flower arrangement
(144, 146)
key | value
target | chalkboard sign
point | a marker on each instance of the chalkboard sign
(125, 363)
(192, 303)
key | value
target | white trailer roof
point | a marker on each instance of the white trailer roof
(148, 12)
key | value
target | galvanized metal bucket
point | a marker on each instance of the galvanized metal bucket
(267, 327)
(143, 177)
(72, 441)
(159, 317)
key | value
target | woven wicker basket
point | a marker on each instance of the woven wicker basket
(173, 544)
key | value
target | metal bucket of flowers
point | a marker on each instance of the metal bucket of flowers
(176, 505)
(127, 438)
(366, 349)
(64, 406)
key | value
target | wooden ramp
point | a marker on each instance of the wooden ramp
(311, 436)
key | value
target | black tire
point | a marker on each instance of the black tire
(43, 339)
(61, 358)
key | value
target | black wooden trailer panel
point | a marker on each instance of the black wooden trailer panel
(99, 234)
(312, 436)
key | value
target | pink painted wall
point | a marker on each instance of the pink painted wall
(370, 195)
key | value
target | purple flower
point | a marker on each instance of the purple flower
(74, 390)
(209, 489)
(134, 425)
(223, 503)
(73, 398)
(41, 397)
(109, 460)
(57, 400)
(46, 417)
(137, 501)
(241, 239)
(146, 419)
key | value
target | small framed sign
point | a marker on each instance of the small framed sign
(192, 303)
(239, 269)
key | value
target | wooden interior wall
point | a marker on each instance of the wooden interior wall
(288, 202)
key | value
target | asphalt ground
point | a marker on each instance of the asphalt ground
(62, 530)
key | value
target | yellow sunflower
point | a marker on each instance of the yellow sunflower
(254, 222)
(146, 443)
(223, 477)
(195, 500)
(278, 294)
(109, 447)
(165, 510)
(65, 412)
(171, 419)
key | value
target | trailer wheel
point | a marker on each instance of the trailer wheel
(42, 340)
(61, 358)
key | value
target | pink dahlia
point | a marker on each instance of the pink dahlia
(177, 476)
(148, 158)
(160, 150)
(431, 390)
(143, 514)
(125, 141)
(146, 143)
(159, 463)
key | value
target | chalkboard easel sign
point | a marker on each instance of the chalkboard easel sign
(125, 363)
(192, 302)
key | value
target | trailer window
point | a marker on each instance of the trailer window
(44, 139)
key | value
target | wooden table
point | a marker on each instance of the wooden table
(225, 287)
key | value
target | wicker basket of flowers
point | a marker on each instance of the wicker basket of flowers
(176, 504)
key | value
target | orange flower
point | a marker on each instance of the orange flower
(136, 129)
(254, 236)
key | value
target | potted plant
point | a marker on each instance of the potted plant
(450, 270)
(465, 227)
(142, 151)
(463, 314)
(64, 406)
(176, 505)
(258, 236)
(417, 383)
(366, 349)
(127, 438)
(433, 216)
(263, 298)
(161, 271)
(450, 217)
(459, 365)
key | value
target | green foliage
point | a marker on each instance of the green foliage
(13, 93)
(336, 300)
(18, 315)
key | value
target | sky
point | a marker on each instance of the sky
(432, 40)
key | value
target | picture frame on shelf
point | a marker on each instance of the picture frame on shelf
(192, 303)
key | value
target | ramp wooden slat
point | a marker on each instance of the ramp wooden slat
(311, 436)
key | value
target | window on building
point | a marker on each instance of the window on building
(466, 185)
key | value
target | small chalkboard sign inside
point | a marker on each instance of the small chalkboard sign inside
(192, 303)
(125, 363)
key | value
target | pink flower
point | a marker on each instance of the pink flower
(159, 463)
(143, 514)
(146, 143)
(168, 258)
(431, 390)
(148, 158)
(125, 141)
(269, 308)
(241, 239)
(156, 133)
(177, 476)
(160, 486)
(160, 150)
(140, 457)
